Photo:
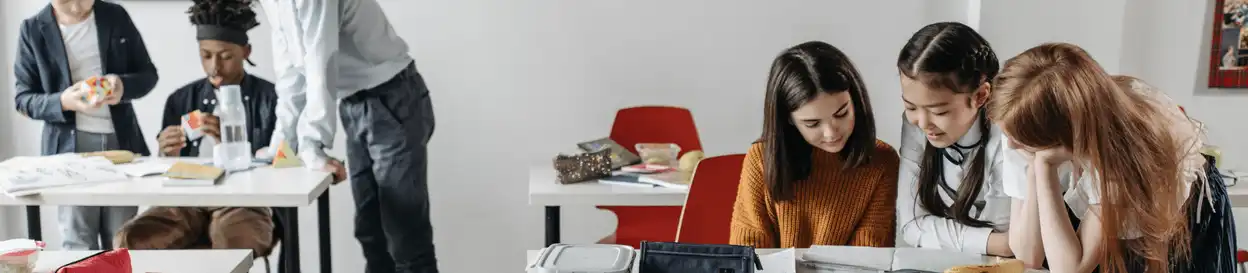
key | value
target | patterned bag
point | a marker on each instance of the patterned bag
(583, 167)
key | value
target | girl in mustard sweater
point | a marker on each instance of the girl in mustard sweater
(818, 176)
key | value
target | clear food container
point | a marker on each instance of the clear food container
(659, 153)
(590, 258)
(19, 255)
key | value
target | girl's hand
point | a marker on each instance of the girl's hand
(1053, 156)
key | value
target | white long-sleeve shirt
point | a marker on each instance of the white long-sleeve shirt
(323, 51)
(921, 229)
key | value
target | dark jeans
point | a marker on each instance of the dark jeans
(388, 129)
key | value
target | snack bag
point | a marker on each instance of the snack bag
(191, 125)
(97, 88)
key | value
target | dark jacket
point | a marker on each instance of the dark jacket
(258, 98)
(42, 71)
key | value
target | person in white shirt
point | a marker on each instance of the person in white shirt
(344, 53)
(949, 188)
(1115, 153)
(60, 48)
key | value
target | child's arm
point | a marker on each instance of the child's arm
(31, 100)
(1066, 250)
(1025, 226)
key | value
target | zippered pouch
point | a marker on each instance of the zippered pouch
(664, 257)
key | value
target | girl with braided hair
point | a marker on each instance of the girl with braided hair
(949, 184)
(221, 28)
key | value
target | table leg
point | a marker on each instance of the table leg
(34, 230)
(322, 216)
(289, 261)
(552, 225)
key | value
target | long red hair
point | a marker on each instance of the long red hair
(1055, 95)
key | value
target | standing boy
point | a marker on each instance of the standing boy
(66, 43)
(344, 53)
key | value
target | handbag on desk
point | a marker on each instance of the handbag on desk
(111, 261)
(663, 257)
(582, 167)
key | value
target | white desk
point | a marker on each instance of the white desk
(1238, 194)
(545, 190)
(189, 261)
(531, 256)
(284, 189)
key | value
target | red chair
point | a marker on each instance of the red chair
(708, 209)
(650, 124)
(1241, 257)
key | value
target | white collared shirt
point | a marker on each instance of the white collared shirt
(326, 50)
(918, 227)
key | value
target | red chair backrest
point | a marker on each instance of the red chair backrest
(655, 124)
(708, 209)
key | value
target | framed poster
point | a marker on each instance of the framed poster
(1228, 63)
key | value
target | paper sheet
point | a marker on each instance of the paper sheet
(780, 262)
(874, 258)
(935, 260)
(28, 175)
(144, 168)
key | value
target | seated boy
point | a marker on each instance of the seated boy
(222, 27)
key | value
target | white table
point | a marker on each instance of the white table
(545, 190)
(531, 256)
(1238, 194)
(283, 189)
(189, 261)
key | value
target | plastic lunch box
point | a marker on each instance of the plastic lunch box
(584, 258)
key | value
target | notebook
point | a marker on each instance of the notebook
(191, 174)
(852, 258)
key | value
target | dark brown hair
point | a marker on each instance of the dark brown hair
(950, 56)
(798, 75)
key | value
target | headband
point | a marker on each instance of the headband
(215, 32)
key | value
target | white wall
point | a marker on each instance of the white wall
(514, 82)
(1163, 42)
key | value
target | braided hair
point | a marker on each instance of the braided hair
(226, 20)
(952, 56)
(233, 14)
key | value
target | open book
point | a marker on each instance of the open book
(874, 259)
(21, 176)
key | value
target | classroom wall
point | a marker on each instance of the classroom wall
(514, 82)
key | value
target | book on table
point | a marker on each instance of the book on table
(874, 259)
(668, 179)
(192, 174)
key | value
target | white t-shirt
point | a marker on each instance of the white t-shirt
(1085, 191)
(82, 46)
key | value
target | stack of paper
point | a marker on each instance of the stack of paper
(20, 176)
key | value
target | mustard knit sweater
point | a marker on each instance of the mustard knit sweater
(834, 206)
